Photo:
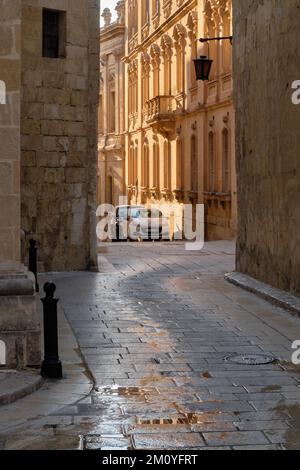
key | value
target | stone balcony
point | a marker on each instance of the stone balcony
(133, 42)
(161, 113)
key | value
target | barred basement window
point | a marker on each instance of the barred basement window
(54, 33)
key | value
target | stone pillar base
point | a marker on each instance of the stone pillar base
(20, 328)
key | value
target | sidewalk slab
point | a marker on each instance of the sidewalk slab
(275, 296)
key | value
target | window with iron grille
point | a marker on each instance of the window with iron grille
(54, 33)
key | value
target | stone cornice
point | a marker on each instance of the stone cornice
(112, 31)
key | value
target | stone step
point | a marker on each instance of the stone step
(17, 384)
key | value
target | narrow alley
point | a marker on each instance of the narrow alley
(160, 334)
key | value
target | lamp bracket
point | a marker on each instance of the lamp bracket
(230, 38)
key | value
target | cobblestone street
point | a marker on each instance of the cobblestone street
(156, 329)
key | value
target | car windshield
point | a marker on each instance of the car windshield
(150, 214)
(124, 212)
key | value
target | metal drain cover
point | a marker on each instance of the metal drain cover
(250, 359)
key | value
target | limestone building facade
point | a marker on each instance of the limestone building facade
(179, 138)
(111, 150)
(268, 140)
(49, 71)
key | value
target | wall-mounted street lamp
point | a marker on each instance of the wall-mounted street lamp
(204, 63)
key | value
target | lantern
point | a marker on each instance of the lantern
(203, 67)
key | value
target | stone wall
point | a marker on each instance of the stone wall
(10, 72)
(266, 62)
(19, 321)
(59, 136)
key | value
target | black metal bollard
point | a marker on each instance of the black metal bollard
(51, 366)
(32, 264)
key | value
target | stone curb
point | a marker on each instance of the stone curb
(18, 385)
(277, 297)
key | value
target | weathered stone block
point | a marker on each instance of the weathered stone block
(5, 178)
(54, 175)
(53, 128)
(31, 126)
(51, 159)
(19, 320)
(10, 208)
(75, 175)
(28, 158)
(32, 78)
(78, 98)
(31, 142)
(52, 111)
(54, 79)
(76, 129)
(10, 143)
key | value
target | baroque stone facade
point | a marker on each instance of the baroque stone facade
(266, 63)
(111, 164)
(179, 132)
(48, 108)
(59, 134)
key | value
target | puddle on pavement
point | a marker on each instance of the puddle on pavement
(271, 388)
(184, 418)
(122, 391)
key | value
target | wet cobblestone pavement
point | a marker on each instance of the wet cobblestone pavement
(155, 328)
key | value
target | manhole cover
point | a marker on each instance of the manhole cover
(250, 359)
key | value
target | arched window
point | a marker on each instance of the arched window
(226, 176)
(179, 36)
(211, 164)
(130, 91)
(179, 164)
(145, 79)
(131, 165)
(167, 74)
(192, 24)
(155, 80)
(112, 110)
(155, 62)
(145, 12)
(156, 166)
(211, 31)
(135, 166)
(145, 165)
(135, 89)
(101, 115)
(132, 18)
(167, 165)
(109, 189)
(226, 31)
(166, 47)
(194, 51)
(2, 353)
(194, 164)
(155, 6)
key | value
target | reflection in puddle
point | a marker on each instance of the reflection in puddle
(187, 418)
